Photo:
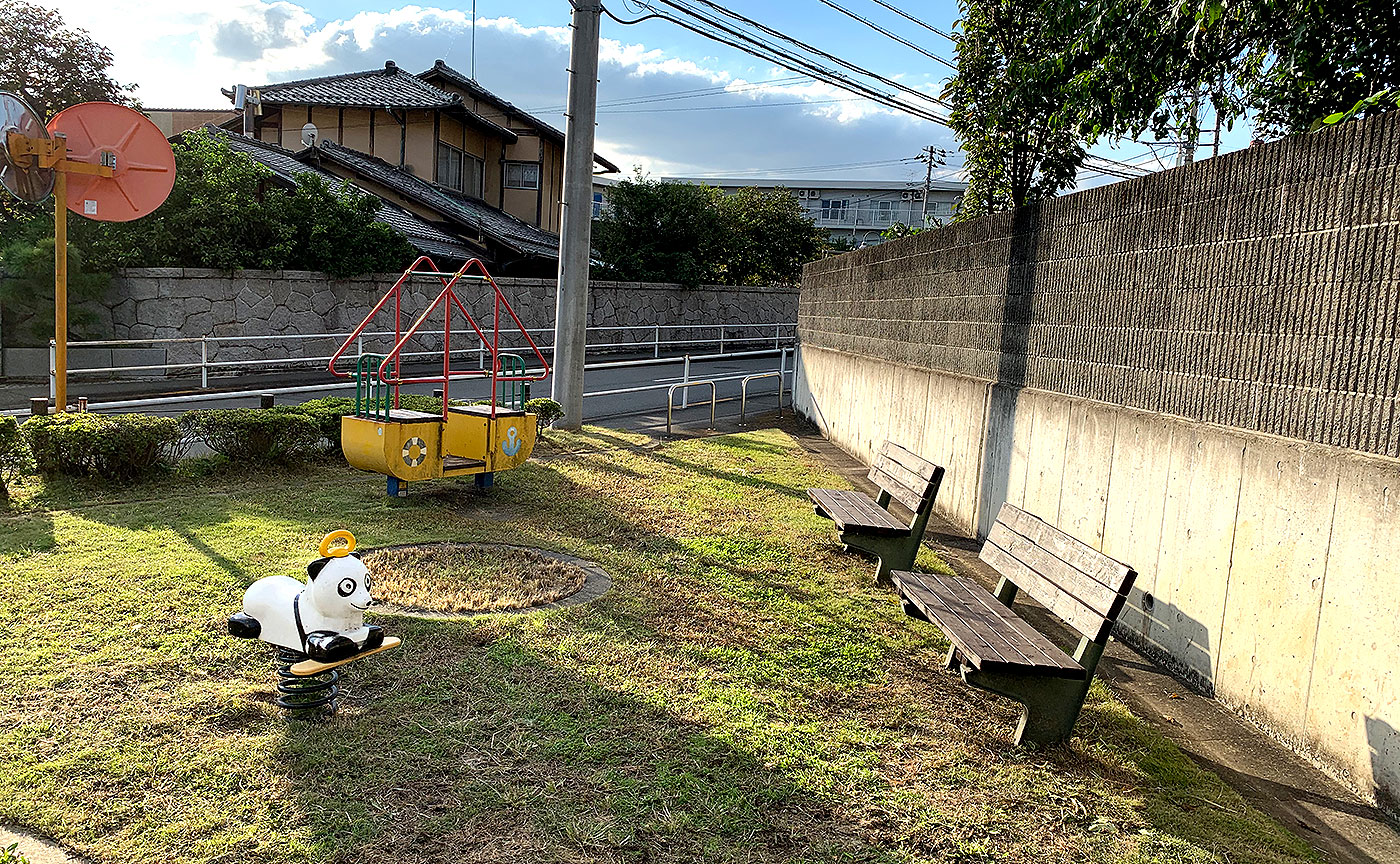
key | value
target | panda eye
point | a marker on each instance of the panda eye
(346, 587)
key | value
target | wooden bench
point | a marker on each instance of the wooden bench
(866, 523)
(995, 649)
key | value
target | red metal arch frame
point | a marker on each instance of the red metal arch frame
(446, 299)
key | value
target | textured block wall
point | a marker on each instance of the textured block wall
(1258, 290)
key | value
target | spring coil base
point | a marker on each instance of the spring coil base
(302, 695)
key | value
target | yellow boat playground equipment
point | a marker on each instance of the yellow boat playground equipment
(465, 440)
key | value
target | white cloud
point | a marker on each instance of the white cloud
(181, 56)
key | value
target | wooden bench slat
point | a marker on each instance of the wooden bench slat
(1068, 608)
(991, 636)
(848, 508)
(1090, 561)
(991, 625)
(911, 460)
(980, 644)
(906, 495)
(1056, 571)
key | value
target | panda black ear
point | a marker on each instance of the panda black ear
(315, 567)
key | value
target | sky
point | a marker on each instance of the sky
(752, 120)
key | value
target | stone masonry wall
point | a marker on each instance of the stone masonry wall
(238, 307)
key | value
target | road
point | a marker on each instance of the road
(641, 410)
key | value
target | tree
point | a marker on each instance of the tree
(691, 233)
(660, 232)
(1154, 64)
(1008, 100)
(769, 238)
(50, 66)
(225, 212)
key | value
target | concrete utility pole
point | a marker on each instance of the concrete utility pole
(928, 183)
(576, 230)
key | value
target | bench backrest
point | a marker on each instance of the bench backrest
(1081, 585)
(908, 477)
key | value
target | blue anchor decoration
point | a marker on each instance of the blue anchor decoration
(511, 445)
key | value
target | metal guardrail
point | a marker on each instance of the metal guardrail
(744, 391)
(671, 399)
(205, 364)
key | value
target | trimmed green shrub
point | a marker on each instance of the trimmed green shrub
(327, 413)
(255, 436)
(546, 411)
(112, 446)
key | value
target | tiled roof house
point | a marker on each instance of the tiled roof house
(437, 145)
(440, 126)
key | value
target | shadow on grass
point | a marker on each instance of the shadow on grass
(499, 754)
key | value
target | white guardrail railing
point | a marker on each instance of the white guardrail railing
(778, 335)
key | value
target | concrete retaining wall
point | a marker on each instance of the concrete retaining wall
(1194, 372)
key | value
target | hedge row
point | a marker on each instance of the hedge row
(133, 446)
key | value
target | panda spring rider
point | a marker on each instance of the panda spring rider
(323, 618)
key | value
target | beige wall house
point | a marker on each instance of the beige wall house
(440, 126)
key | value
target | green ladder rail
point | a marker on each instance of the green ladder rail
(373, 397)
(511, 394)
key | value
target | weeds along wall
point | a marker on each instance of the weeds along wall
(1195, 372)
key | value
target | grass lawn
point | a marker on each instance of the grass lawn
(742, 694)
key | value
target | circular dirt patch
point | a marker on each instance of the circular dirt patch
(469, 578)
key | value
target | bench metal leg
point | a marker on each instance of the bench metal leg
(894, 553)
(1051, 705)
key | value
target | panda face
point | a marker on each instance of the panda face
(341, 586)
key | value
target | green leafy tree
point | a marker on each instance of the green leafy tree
(661, 232)
(51, 66)
(1155, 64)
(27, 285)
(654, 231)
(335, 230)
(226, 212)
(1007, 103)
(769, 238)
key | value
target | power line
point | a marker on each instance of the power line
(757, 47)
(895, 36)
(900, 12)
(677, 95)
(727, 107)
(810, 49)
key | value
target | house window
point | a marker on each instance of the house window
(834, 209)
(597, 205)
(473, 175)
(884, 212)
(449, 166)
(522, 175)
(458, 170)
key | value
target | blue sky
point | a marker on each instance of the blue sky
(765, 122)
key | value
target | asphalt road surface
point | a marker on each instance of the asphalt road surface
(644, 409)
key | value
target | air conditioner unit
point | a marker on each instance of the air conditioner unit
(801, 193)
(906, 196)
(814, 193)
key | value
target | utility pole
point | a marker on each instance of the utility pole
(576, 230)
(927, 156)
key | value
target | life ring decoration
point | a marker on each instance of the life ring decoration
(415, 450)
(511, 445)
(339, 551)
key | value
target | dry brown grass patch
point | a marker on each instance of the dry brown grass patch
(463, 577)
